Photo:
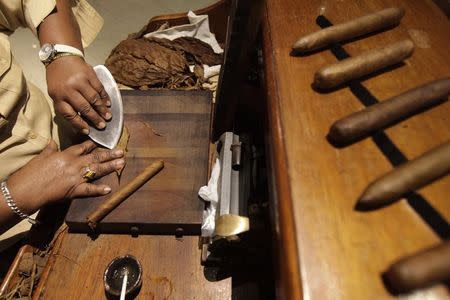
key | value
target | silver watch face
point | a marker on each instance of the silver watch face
(46, 52)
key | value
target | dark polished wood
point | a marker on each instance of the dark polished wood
(327, 250)
(172, 126)
(171, 268)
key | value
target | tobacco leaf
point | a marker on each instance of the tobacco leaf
(122, 144)
(145, 63)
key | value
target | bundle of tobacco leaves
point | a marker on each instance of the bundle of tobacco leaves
(160, 63)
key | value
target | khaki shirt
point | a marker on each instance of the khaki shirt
(26, 116)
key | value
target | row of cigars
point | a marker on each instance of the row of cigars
(431, 265)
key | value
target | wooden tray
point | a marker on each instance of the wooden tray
(168, 125)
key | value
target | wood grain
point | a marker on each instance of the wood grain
(172, 126)
(171, 268)
(340, 253)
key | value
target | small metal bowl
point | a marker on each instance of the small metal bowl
(115, 272)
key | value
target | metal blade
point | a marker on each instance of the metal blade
(109, 137)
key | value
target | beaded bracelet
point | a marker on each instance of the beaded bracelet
(10, 202)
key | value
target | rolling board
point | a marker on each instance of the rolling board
(172, 126)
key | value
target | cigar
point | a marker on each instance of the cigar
(420, 270)
(408, 177)
(367, 24)
(368, 62)
(119, 196)
(384, 114)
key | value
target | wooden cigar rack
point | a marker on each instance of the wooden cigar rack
(323, 247)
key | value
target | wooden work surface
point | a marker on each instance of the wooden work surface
(171, 268)
(326, 249)
(172, 126)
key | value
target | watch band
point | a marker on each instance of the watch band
(50, 52)
(67, 49)
(62, 55)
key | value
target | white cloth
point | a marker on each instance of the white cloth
(210, 194)
(198, 28)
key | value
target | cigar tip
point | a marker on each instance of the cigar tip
(400, 11)
(337, 134)
(377, 195)
(335, 141)
(363, 206)
(294, 52)
(369, 200)
(399, 278)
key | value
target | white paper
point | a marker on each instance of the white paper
(210, 194)
(198, 28)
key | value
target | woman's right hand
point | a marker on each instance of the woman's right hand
(57, 175)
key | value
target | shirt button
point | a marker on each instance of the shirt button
(32, 135)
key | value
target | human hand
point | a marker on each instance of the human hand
(77, 93)
(57, 175)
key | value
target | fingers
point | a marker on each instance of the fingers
(82, 149)
(100, 163)
(105, 168)
(90, 190)
(67, 111)
(93, 96)
(85, 109)
(98, 86)
(103, 156)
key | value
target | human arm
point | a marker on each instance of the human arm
(54, 176)
(77, 93)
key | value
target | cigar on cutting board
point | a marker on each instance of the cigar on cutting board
(374, 22)
(368, 62)
(381, 115)
(119, 196)
(408, 177)
(419, 270)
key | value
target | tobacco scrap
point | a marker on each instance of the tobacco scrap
(122, 144)
(152, 129)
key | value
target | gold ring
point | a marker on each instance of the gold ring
(89, 175)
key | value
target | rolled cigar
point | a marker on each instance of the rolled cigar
(354, 67)
(406, 178)
(119, 196)
(420, 270)
(386, 113)
(369, 23)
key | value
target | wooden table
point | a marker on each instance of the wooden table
(171, 268)
(327, 250)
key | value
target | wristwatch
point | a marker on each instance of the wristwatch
(50, 52)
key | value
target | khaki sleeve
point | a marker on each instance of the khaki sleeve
(89, 20)
(3, 122)
(30, 13)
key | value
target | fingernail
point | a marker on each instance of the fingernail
(85, 131)
(120, 163)
(108, 103)
(107, 189)
(108, 115)
(118, 153)
(101, 125)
